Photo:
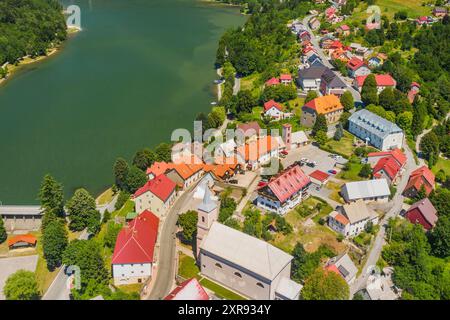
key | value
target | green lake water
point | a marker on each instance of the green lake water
(138, 70)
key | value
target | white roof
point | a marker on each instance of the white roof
(299, 137)
(245, 251)
(367, 189)
(357, 211)
(288, 288)
(228, 147)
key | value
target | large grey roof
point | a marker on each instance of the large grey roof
(345, 265)
(373, 123)
(332, 79)
(314, 72)
(367, 189)
(245, 251)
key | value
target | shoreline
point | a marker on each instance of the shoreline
(13, 69)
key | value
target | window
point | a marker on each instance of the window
(259, 284)
(237, 274)
(203, 219)
(218, 265)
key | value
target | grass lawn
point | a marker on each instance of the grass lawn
(105, 197)
(250, 83)
(352, 173)
(188, 269)
(122, 212)
(130, 288)
(335, 188)
(344, 146)
(443, 164)
(308, 231)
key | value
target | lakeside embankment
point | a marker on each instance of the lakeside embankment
(25, 61)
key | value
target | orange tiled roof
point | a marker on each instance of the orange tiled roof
(28, 238)
(254, 149)
(325, 104)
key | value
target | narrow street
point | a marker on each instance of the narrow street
(396, 205)
(165, 276)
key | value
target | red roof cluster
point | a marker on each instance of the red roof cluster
(421, 177)
(382, 80)
(161, 186)
(188, 290)
(269, 104)
(389, 166)
(288, 183)
(397, 154)
(136, 242)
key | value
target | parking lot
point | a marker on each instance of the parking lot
(8, 266)
(312, 153)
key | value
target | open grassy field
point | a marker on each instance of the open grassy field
(308, 231)
(344, 146)
(443, 164)
(105, 197)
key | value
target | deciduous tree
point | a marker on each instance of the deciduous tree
(21, 285)
(325, 285)
(54, 242)
(80, 209)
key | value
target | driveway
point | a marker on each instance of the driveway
(8, 266)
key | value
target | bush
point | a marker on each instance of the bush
(121, 199)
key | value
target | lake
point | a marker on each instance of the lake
(138, 70)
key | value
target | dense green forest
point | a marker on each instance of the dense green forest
(29, 27)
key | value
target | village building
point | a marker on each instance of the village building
(22, 241)
(258, 152)
(183, 174)
(132, 260)
(343, 266)
(351, 219)
(310, 78)
(412, 93)
(343, 30)
(272, 82)
(245, 264)
(387, 168)
(374, 157)
(157, 196)
(314, 23)
(208, 213)
(189, 289)
(284, 191)
(319, 178)
(250, 129)
(439, 12)
(23, 218)
(332, 84)
(329, 105)
(285, 79)
(226, 149)
(357, 67)
(375, 130)
(368, 191)
(299, 139)
(422, 212)
(375, 62)
(383, 81)
(275, 111)
(420, 178)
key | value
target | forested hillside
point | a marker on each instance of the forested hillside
(29, 27)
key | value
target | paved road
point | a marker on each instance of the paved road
(396, 205)
(315, 42)
(165, 275)
(237, 85)
(8, 266)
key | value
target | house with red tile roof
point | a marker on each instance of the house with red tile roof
(387, 168)
(286, 79)
(357, 67)
(188, 290)
(343, 30)
(415, 89)
(157, 195)
(383, 81)
(272, 82)
(22, 241)
(249, 129)
(396, 154)
(255, 153)
(420, 178)
(274, 110)
(284, 191)
(424, 213)
(330, 106)
(132, 260)
(184, 174)
(319, 178)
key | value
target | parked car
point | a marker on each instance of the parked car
(233, 181)
(332, 171)
(284, 152)
(311, 164)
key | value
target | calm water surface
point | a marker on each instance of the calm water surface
(139, 69)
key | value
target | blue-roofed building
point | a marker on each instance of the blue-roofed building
(375, 130)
